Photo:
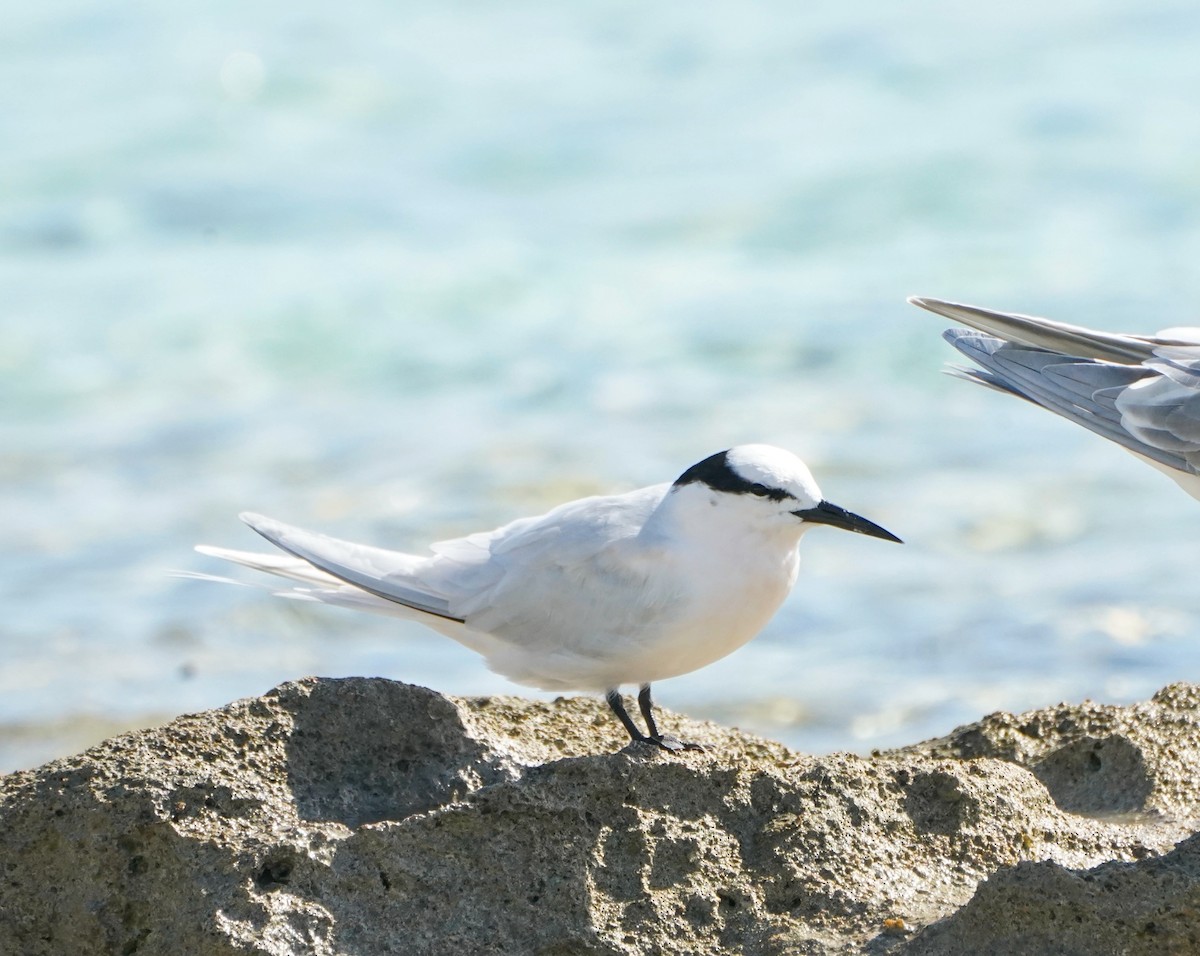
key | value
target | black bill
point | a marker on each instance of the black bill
(830, 514)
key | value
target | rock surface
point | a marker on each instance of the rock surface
(364, 816)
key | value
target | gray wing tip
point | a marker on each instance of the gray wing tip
(937, 306)
(964, 312)
(268, 527)
(274, 531)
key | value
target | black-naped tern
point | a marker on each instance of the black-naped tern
(599, 592)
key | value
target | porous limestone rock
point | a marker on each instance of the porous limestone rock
(365, 816)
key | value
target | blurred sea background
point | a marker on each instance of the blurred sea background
(399, 272)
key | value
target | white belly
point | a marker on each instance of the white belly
(692, 629)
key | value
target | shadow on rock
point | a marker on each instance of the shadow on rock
(364, 751)
(1097, 776)
(1143, 908)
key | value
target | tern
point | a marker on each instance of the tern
(1140, 391)
(597, 593)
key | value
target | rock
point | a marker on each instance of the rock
(366, 816)
(1132, 764)
(1097, 759)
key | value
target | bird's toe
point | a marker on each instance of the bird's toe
(673, 743)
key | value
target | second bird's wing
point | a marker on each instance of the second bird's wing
(1048, 335)
(1142, 392)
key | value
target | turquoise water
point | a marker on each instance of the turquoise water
(399, 272)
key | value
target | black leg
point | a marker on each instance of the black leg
(618, 707)
(666, 741)
(647, 708)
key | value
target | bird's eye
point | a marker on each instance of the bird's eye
(761, 490)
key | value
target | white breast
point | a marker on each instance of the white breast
(643, 610)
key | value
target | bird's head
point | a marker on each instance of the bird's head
(770, 488)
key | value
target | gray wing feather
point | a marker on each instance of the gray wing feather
(1164, 412)
(1053, 336)
(1142, 392)
(1084, 391)
(386, 574)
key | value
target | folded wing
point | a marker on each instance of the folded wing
(1142, 392)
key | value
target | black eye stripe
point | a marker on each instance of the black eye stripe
(716, 472)
(775, 494)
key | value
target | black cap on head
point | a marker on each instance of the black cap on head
(716, 472)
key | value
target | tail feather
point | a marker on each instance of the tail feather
(360, 577)
(284, 565)
(342, 572)
(334, 592)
